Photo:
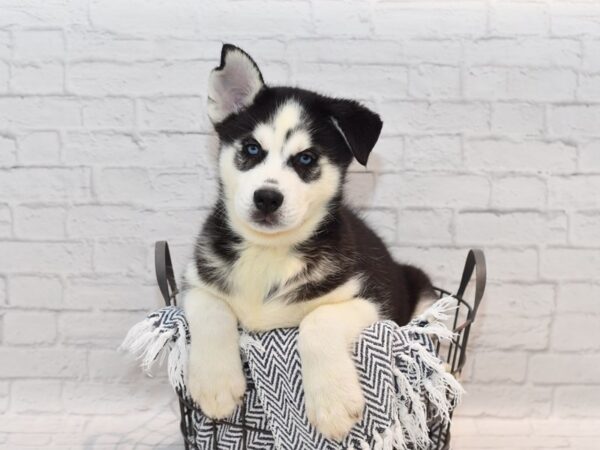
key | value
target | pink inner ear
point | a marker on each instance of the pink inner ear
(234, 86)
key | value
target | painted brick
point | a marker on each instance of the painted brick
(590, 55)
(515, 191)
(589, 156)
(39, 44)
(42, 362)
(5, 44)
(111, 112)
(564, 368)
(154, 149)
(8, 151)
(4, 77)
(45, 184)
(37, 78)
(570, 263)
(541, 84)
(138, 17)
(175, 113)
(585, 228)
(578, 401)
(118, 185)
(433, 152)
(429, 19)
(523, 52)
(349, 18)
(29, 328)
(45, 257)
(344, 51)
(113, 292)
(33, 396)
(517, 118)
(39, 147)
(416, 225)
(126, 221)
(488, 83)
(512, 333)
(5, 221)
(109, 397)
(3, 293)
(123, 257)
(517, 401)
(111, 365)
(518, 18)
(574, 119)
(413, 189)
(143, 78)
(528, 155)
(444, 117)
(34, 291)
(367, 81)
(589, 87)
(572, 19)
(4, 396)
(581, 297)
(577, 191)
(100, 329)
(433, 81)
(39, 112)
(575, 332)
(494, 367)
(512, 228)
(417, 51)
(509, 300)
(40, 222)
(514, 264)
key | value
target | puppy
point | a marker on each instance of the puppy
(281, 248)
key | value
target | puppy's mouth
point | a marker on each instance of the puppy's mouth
(265, 220)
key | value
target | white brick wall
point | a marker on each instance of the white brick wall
(491, 139)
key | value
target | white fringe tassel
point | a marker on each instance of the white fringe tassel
(433, 383)
(151, 344)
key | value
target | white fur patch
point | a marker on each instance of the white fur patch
(304, 204)
(334, 399)
(215, 377)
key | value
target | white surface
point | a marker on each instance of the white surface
(491, 138)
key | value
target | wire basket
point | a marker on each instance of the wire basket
(453, 352)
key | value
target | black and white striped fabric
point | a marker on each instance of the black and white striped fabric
(407, 390)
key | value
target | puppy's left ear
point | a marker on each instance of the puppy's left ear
(233, 85)
(358, 125)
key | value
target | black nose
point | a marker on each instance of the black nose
(268, 200)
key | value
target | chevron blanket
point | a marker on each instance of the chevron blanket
(406, 387)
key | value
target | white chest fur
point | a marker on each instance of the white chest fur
(261, 280)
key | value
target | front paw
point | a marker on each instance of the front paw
(334, 402)
(217, 389)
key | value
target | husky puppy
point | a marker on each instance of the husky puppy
(281, 249)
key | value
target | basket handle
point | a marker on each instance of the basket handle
(475, 261)
(164, 273)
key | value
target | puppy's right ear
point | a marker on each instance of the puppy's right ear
(233, 85)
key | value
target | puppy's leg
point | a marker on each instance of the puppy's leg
(215, 377)
(334, 399)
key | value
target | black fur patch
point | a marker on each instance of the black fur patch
(343, 244)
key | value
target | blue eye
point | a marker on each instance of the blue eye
(252, 149)
(306, 159)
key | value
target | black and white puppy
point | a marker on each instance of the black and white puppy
(281, 249)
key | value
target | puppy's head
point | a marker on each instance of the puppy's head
(284, 151)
